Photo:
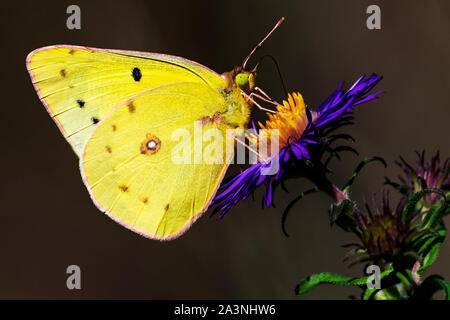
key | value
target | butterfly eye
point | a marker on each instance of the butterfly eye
(242, 79)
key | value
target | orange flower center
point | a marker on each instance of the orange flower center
(290, 121)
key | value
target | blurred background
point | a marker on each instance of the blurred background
(48, 221)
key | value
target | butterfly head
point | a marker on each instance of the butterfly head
(241, 79)
(245, 80)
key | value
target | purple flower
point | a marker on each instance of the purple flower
(300, 132)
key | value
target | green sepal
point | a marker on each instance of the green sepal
(433, 217)
(413, 200)
(341, 215)
(291, 205)
(422, 242)
(361, 165)
(402, 188)
(430, 257)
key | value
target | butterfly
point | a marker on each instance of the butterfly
(118, 111)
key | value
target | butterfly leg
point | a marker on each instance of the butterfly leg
(249, 148)
(262, 108)
(263, 99)
(266, 96)
(255, 103)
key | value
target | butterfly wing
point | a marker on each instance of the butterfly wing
(128, 164)
(79, 85)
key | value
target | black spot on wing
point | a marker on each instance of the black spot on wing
(136, 73)
(81, 103)
(95, 120)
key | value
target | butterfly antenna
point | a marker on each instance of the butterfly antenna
(283, 84)
(244, 64)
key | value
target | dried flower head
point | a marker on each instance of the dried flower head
(424, 175)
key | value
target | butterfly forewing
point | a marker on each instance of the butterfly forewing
(80, 86)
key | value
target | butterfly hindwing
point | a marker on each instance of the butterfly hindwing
(79, 86)
(128, 166)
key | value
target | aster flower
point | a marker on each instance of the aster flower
(425, 175)
(383, 233)
(302, 142)
(403, 242)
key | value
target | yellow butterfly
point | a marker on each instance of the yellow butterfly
(118, 110)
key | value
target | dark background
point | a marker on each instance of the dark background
(49, 222)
